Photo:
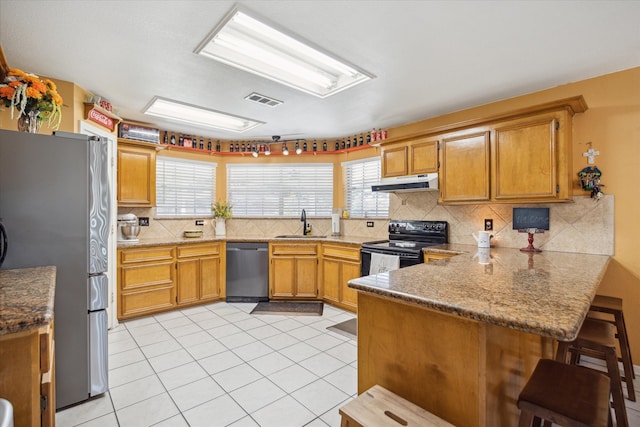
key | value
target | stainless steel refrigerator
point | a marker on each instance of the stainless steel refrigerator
(55, 207)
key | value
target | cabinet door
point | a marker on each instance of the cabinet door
(394, 162)
(331, 279)
(524, 158)
(282, 275)
(465, 168)
(350, 270)
(188, 280)
(136, 176)
(209, 277)
(423, 157)
(306, 277)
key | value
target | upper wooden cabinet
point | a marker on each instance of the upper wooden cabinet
(520, 156)
(136, 174)
(415, 157)
(528, 161)
(465, 167)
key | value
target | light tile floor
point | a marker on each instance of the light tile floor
(218, 365)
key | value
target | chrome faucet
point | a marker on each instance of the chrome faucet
(303, 218)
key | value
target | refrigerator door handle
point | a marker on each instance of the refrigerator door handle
(98, 358)
(98, 292)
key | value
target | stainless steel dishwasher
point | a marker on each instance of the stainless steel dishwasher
(247, 271)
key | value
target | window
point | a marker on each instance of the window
(184, 188)
(361, 202)
(280, 190)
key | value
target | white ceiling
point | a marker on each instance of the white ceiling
(429, 57)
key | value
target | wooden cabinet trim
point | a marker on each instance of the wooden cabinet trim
(571, 106)
(290, 249)
(155, 253)
(198, 250)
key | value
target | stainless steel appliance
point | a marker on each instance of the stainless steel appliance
(426, 182)
(128, 228)
(406, 240)
(247, 271)
(55, 205)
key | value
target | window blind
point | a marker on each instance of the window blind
(277, 190)
(361, 202)
(184, 188)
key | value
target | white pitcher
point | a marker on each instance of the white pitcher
(483, 238)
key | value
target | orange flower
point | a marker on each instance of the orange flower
(7, 92)
(32, 92)
(51, 84)
(16, 72)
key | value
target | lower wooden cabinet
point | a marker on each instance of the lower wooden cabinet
(199, 274)
(435, 256)
(27, 376)
(152, 279)
(293, 270)
(340, 263)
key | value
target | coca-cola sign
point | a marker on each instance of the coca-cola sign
(96, 116)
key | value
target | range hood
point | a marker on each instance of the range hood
(428, 181)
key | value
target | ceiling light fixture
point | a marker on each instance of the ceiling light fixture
(198, 116)
(243, 41)
(285, 152)
(298, 149)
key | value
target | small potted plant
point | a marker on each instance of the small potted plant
(221, 211)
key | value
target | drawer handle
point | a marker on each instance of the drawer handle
(396, 418)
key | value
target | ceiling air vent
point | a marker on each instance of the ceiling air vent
(264, 100)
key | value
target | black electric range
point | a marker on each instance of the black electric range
(406, 240)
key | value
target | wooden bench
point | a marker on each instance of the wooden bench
(378, 407)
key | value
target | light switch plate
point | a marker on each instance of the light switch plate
(370, 224)
(199, 221)
(143, 221)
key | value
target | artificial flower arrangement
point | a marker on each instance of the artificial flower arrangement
(221, 210)
(25, 93)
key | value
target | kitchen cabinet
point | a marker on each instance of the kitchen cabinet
(27, 370)
(340, 263)
(436, 256)
(464, 175)
(146, 280)
(417, 156)
(293, 270)
(525, 160)
(199, 274)
(136, 173)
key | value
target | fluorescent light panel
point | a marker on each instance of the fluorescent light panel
(245, 42)
(198, 116)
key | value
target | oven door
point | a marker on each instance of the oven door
(406, 258)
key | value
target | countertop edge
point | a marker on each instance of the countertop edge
(36, 285)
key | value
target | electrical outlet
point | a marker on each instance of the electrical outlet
(143, 221)
(488, 225)
(370, 224)
(199, 221)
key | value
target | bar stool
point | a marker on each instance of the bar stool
(597, 339)
(613, 306)
(571, 396)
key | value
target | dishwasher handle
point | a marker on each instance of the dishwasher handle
(247, 249)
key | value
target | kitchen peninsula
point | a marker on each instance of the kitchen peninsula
(460, 338)
(27, 377)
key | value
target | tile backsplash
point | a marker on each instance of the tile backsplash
(584, 226)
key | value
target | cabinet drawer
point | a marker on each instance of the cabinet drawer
(146, 300)
(289, 249)
(133, 277)
(349, 253)
(198, 250)
(156, 253)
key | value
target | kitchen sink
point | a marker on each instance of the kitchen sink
(298, 236)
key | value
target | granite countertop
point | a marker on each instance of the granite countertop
(547, 293)
(356, 240)
(26, 298)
